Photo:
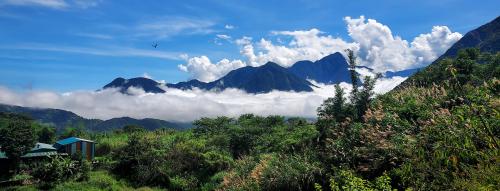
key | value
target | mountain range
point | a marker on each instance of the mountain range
(61, 119)
(331, 69)
(262, 79)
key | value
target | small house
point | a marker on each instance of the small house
(73, 145)
(39, 150)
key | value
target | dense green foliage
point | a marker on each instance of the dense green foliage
(441, 133)
(59, 169)
(16, 137)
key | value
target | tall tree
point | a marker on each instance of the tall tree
(354, 75)
(334, 108)
(46, 135)
(17, 138)
(365, 95)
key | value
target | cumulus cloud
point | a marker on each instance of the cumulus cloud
(184, 56)
(305, 45)
(382, 51)
(203, 69)
(181, 105)
(229, 27)
(374, 43)
(428, 47)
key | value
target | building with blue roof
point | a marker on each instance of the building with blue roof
(74, 145)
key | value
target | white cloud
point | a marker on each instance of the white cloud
(229, 27)
(146, 75)
(385, 85)
(223, 36)
(181, 105)
(94, 35)
(428, 47)
(203, 69)
(100, 51)
(84, 4)
(365, 72)
(244, 40)
(53, 4)
(167, 27)
(305, 45)
(374, 43)
(184, 56)
(382, 51)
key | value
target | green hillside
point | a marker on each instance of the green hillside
(61, 120)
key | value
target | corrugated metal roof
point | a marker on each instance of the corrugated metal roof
(2, 155)
(40, 149)
(35, 154)
(42, 146)
(72, 140)
(40, 154)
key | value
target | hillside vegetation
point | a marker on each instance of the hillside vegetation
(441, 132)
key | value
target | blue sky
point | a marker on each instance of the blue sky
(61, 46)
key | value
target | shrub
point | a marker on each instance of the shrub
(102, 149)
(273, 172)
(142, 162)
(57, 169)
(346, 180)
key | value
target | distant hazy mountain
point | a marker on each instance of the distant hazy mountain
(147, 123)
(486, 38)
(148, 85)
(331, 69)
(61, 119)
(402, 73)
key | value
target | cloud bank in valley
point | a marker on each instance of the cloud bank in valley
(376, 46)
(182, 105)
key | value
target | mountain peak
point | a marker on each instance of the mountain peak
(330, 69)
(271, 65)
(117, 81)
(334, 56)
(148, 85)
